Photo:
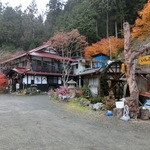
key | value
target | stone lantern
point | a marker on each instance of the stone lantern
(71, 84)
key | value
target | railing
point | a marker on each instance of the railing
(47, 69)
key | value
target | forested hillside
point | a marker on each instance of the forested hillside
(95, 19)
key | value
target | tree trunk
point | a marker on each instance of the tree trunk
(96, 28)
(116, 29)
(118, 112)
(107, 22)
(133, 107)
(130, 55)
(129, 62)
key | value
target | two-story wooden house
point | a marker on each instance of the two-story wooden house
(40, 67)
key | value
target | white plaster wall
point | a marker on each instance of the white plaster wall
(25, 80)
(44, 80)
(37, 79)
(80, 68)
(59, 80)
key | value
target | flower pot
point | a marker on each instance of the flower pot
(120, 104)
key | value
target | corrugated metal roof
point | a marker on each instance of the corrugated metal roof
(51, 56)
(90, 71)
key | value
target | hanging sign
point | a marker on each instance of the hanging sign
(144, 60)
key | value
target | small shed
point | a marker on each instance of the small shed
(100, 57)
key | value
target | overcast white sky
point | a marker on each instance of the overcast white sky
(41, 4)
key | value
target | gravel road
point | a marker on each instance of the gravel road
(35, 123)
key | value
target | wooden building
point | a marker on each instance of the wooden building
(142, 65)
(101, 75)
(103, 79)
(40, 67)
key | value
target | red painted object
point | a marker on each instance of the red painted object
(51, 56)
(3, 81)
(26, 71)
(145, 94)
(35, 52)
(39, 67)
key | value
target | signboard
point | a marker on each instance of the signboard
(144, 60)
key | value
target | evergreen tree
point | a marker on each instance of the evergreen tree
(10, 27)
(54, 8)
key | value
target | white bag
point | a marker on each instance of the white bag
(125, 116)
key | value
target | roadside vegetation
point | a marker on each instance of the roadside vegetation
(81, 98)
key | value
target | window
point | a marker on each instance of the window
(53, 80)
(38, 63)
(76, 66)
(94, 81)
(32, 81)
(59, 80)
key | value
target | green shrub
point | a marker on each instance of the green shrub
(96, 99)
(83, 92)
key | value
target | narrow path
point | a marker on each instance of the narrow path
(35, 123)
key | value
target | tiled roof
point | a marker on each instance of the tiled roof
(27, 71)
(35, 52)
(51, 56)
(25, 53)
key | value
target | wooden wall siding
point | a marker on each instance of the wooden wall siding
(28, 62)
(93, 82)
(148, 84)
(21, 62)
(143, 67)
(143, 85)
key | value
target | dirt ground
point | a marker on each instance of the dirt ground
(35, 123)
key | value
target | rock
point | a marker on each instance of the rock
(91, 106)
(98, 106)
(84, 103)
(144, 114)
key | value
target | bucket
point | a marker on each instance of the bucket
(120, 104)
(147, 104)
(109, 113)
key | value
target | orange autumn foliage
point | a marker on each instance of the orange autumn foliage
(104, 46)
(142, 24)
